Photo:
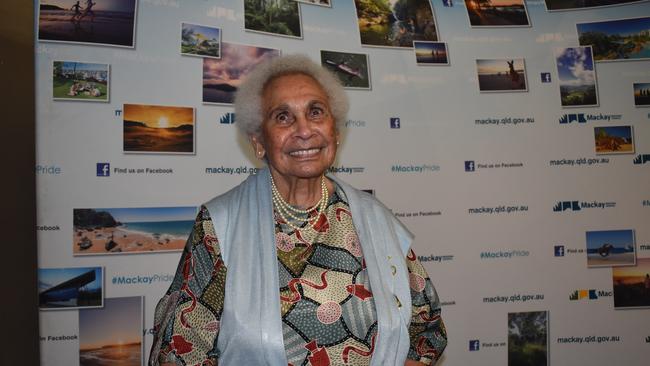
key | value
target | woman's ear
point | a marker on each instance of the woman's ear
(258, 146)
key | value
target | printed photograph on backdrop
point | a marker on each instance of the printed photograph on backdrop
(131, 230)
(101, 22)
(528, 338)
(431, 53)
(497, 13)
(632, 285)
(316, 2)
(70, 288)
(278, 17)
(575, 68)
(158, 129)
(614, 140)
(552, 5)
(609, 248)
(351, 68)
(642, 94)
(112, 335)
(80, 81)
(395, 23)
(501, 75)
(222, 77)
(617, 40)
(200, 40)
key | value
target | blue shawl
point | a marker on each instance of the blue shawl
(251, 326)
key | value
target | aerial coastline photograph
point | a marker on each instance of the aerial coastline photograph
(617, 40)
(131, 230)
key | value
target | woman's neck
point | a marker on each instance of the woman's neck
(300, 192)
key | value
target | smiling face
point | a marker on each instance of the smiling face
(298, 132)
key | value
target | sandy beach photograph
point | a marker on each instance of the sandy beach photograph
(131, 230)
(80, 81)
(112, 335)
(431, 53)
(554, 5)
(395, 23)
(351, 68)
(497, 13)
(70, 288)
(278, 17)
(101, 22)
(577, 76)
(200, 40)
(642, 94)
(617, 40)
(158, 129)
(632, 285)
(501, 75)
(609, 248)
(614, 140)
(222, 77)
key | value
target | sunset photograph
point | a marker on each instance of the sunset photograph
(497, 13)
(632, 285)
(501, 75)
(158, 129)
(112, 335)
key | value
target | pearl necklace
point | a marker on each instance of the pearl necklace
(284, 209)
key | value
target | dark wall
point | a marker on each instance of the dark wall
(19, 312)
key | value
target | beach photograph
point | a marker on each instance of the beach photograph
(316, 2)
(100, 22)
(642, 94)
(200, 40)
(278, 17)
(610, 248)
(395, 23)
(528, 338)
(112, 335)
(552, 5)
(632, 285)
(351, 68)
(158, 129)
(614, 140)
(70, 288)
(431, 53)
(80, 81)
(497, 13)
(222, 77)
(501, 75)
(577, 76)
(131, 230)
(617, 40)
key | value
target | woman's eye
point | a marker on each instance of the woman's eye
(316, 112)
(283, 117)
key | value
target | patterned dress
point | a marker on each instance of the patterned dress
(327, 309)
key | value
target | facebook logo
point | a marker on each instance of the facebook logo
(559, 250)
(103, 169)
(394, 122)
(469, 166)
(546, 77)
(474, 345)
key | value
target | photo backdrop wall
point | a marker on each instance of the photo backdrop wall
(513, 140)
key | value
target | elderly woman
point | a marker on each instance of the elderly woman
(294, 267)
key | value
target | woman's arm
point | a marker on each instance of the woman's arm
(187, 317)
(427, 330)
